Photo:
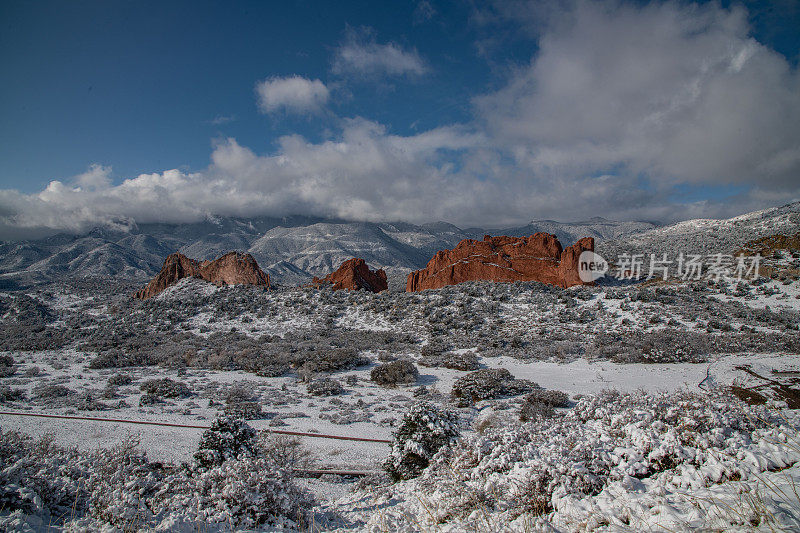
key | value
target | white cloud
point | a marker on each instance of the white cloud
(222, 119)
(96, 177)
(620, 104)
(361, 54)
(678, 92)
(292, 93)
(364, 173)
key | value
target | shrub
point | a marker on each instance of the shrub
(116, 358)
(261, 362)
(240, 494)
(457, 361)
(332, 360)
(37, 477)
(245, 410)
(284, 450)
(118, 487)
(325, 387)
(7, 394)
(110, 391)
(48, 391)
(535, 410)
(424, 430)
(6, 366)
(86, 401)
(606, 438)
(553, 398)
(395, 373)
(149, 399)
(165, 388)
(118, 380)
(26, 326)
(488, 384)
(307, 371)
(239, 393)
(227, 438)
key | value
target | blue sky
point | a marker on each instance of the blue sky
(476, 113)
(138, 85)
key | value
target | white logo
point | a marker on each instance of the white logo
(591, 266)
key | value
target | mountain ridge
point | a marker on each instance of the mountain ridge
(294, 249)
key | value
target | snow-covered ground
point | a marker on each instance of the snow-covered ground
(584, 342)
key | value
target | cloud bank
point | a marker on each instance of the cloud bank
(677, 92)
(621, 107)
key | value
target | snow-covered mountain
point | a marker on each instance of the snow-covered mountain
(292, 249)
(706, 236)
(569, 232)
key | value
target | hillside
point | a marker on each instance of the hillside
(706, 236)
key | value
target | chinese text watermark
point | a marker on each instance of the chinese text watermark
(688, 267)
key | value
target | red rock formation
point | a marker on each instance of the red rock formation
(568, 266)
(354, 274)
(230, 269)
(535, 258)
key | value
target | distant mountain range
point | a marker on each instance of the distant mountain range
(704, 235)
(569, 232)
(293, 249)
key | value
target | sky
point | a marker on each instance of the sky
(476, 113)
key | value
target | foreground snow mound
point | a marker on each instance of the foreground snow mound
(616, 460)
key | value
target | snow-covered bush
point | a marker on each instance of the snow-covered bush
(7, 394)
(26, 325)
(647, 446)
(535, 410)
(165, 388)
(245, 410)
(261, 362)
(332, 360)
(540, 403)
(117, 358)
(465, 360)
(119, 380)
(487, 384)
(53, 395)
(325, 387)
(239, 392)
(672, 345)
(553, 398)
(227, 438)
(400, 372)
(6, 366)
(241, 494)
(424, 430)
(44, 485)
(36, 477)
(88, 401)
(121, 485)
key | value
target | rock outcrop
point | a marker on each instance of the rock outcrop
(232, 268)
(535, 258)
(354, 274)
